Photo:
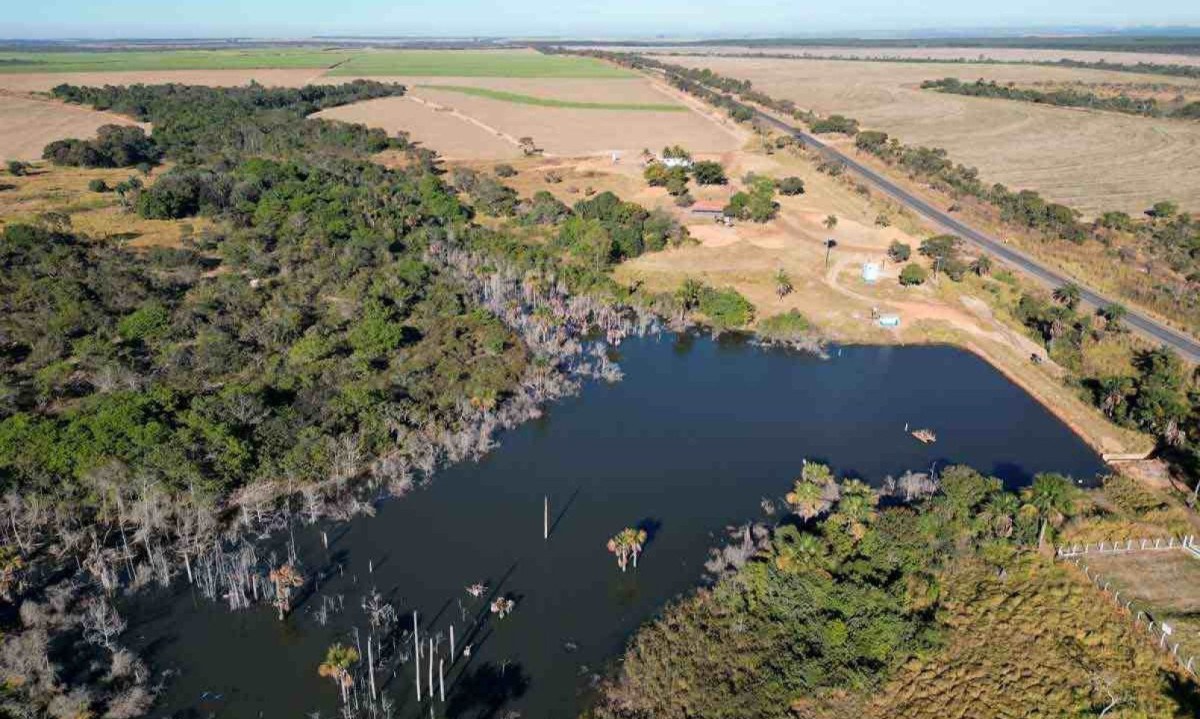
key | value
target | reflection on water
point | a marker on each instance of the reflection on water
(693, 440)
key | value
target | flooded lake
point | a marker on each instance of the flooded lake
(695, 437)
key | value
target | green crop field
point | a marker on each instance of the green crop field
(475, 63)
(551, 102)
(21, 62)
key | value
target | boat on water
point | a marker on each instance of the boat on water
(928, 436)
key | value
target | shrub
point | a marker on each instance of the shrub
(16, 168)
(726, 308)
(899, 251)
(98, 185)
(505, 170)
(913, 274)
(791, 186)
(790, 325)
(707, 172)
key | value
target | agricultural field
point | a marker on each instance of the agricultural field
(149, 60)
(474, 63)
(1094, 161)
(28, 124)
(485, 118)
(1002, 54)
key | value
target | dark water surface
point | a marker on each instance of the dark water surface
(692, 440)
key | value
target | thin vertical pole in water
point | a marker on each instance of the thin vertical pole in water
(430, 664)
(442, 682)
(546, 517)
(417, 654)
(371, 666)
(451, 643)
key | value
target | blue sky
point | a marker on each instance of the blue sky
(676, 18)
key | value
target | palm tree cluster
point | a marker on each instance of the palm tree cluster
(627, 545)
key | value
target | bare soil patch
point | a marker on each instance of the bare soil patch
(1091, 160)
(452, 135)
(27, 125)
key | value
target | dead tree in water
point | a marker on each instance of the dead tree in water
(285, 578)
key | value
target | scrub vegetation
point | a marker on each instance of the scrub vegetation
(926, 599)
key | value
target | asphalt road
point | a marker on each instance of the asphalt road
(1148, 327)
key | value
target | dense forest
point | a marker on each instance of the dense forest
(1066, 97)
(918, 600)
(337, 332)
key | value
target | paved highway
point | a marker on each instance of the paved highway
(1147, 326)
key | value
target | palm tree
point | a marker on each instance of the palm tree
(1113, 313)
(999, 513)
(783, 284)
(1068, 294)
(688, 295)
(814, 492)
(857, 505)
(338, 660)
(830, 222)
(982, 265)
(627, 544)
(795, 550)
(807, 499)
(285, 578)
(1053, 496)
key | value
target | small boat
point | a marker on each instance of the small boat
(925, 435)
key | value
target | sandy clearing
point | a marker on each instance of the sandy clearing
(1093, 161)
(1005, 54)
(43, 82)
(27, 125)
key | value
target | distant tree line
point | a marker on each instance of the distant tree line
(1066, 97)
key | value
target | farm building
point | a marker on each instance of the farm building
(708, 209)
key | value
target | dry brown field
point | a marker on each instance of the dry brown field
(27, 125)
(464, 127)
(1091, 160)
(1005, 54)
(43, 82)
(1165, 583)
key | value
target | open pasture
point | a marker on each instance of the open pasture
(1091, 160)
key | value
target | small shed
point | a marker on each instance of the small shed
(889, 321)
(870, 272)
(708, 209)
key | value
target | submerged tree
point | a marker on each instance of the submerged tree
(338, 660)
(626, 545)
(285, 578)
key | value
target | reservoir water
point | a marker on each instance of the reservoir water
(695, 437)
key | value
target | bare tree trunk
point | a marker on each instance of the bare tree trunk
(546, 517)
(452, 644)
(417, 654)
(371, 667)
(441, 682)
(429, 663)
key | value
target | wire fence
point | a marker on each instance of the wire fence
(1159, 632)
